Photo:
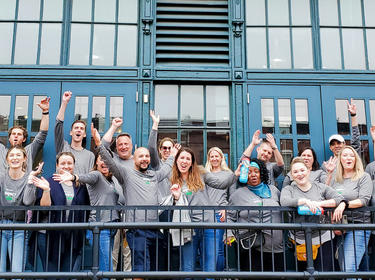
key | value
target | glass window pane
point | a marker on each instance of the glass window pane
(4, 112)
(300, 12)
(361, 116)
(219, 139)
(191, 105)
(370, 33)
(372, 111)
(255, 12)
(328, 14)
(79, 44)
(103, 48)
(21, 110)
(351, 14)
(116, 105)
(98, 112)
(217, 105)
(127, 46)
(302, 48)
(166, 94)
(194, 140)
(53, 10)
(170, 133)
(369, 8)
(7, 9)
(278, 13)
(81, 10)
(302, 116)
(279, 44)
(26, 43)
(81, 108)
(105, 10)
(268, 119)
(4, 140)
(365, 153)
(330, 46)
(37, 113)
(50, 43)
(128, 11)
(354, 52)
(286, 149)
(256, 48)
(342, 117)
(285, 116)
(6, 41)
(29, 10)
(302, 144)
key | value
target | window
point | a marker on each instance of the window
(197, 116)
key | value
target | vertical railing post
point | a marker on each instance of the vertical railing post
(309, 253)
(95, 252)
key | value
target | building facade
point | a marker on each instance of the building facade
(215, 70)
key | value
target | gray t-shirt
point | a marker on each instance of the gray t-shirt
(318, 176)
(370, 169)
(274, 171)
(84, 159)
(220, 196)
(69, 196)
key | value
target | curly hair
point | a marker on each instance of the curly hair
(264, 178)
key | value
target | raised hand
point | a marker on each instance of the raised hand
(256, 140)
(372, 131)
(116, 122)
(175, 149)
(176, 191)
(331, 164)
(41, 183)
(38, 170)
(66, 96)
(271, 140)
(352, 108)
(64, 177)
(44, 104)
(95, 135)
(155, 119)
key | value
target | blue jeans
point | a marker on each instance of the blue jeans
(105, 248)
(219, 248)
(12, 242)
(205, 241)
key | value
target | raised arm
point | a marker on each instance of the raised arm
(355, 141)
(166, 168)
(64, 103)
(278, 157)
(372, 130)
(43, 184)
(44, 106)
(152, 141)
(90, 178)
(217, 182)
(59, 126)
(107, 137)
(254, 142)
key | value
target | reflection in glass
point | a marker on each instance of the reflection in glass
(255, 12)
(7, 9)
(127, 45)
(191, 105)
(50, 44)
(6, 41)
(21, 110)
(79, 44)
(286, 150)
(328, 13)
(302, 144)
(105, 11)
(370, 34)
(361, 116)
(302, 116)
(194, 140)
(300, 12)
(217, 105)
(81, 10)
(128, 11)
(116, 104)
(268, 119)
(256, 48)
(98, 112)
(26, 43)
(166, 94)
(369, 8)
(278, 13)
(4, 112)
(330, 46)
(353, 47)
(28, 9)
(81, 108)
(342, 117)
(53, 10)
(285, 116)
(221, 139)
(365, 153)
(103, 46)
(302, 48)
(37, 113)
(351, 14)
(372, 111)
(279, 44)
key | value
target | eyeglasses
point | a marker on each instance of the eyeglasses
(166, 148)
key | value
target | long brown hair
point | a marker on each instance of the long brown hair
(194, 181)
(22, 149)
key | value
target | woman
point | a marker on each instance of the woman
(217, 165)
(257, 193)
(316, 174)
(356, 187)
(16, 190)
(315, 196)
(188, 184)
(65, 246)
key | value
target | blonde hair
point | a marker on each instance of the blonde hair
(358, 166)
(194, 181)
(223, 164)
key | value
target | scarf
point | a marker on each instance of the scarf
(262, 190)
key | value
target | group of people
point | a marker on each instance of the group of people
(168, 174)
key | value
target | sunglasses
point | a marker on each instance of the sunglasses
(166, 148)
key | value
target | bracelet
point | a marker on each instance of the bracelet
(346, 203)
(274, 148)
(353, 115)
(45, 113)
(74, 178)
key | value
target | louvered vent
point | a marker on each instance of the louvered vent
(192, 32)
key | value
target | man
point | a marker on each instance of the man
(84, 159)
(18, 136)
(265, 150)
(370, 168)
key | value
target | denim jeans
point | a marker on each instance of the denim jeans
(105, 248)
(205, 241)
(12, 242)
(219, 246)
